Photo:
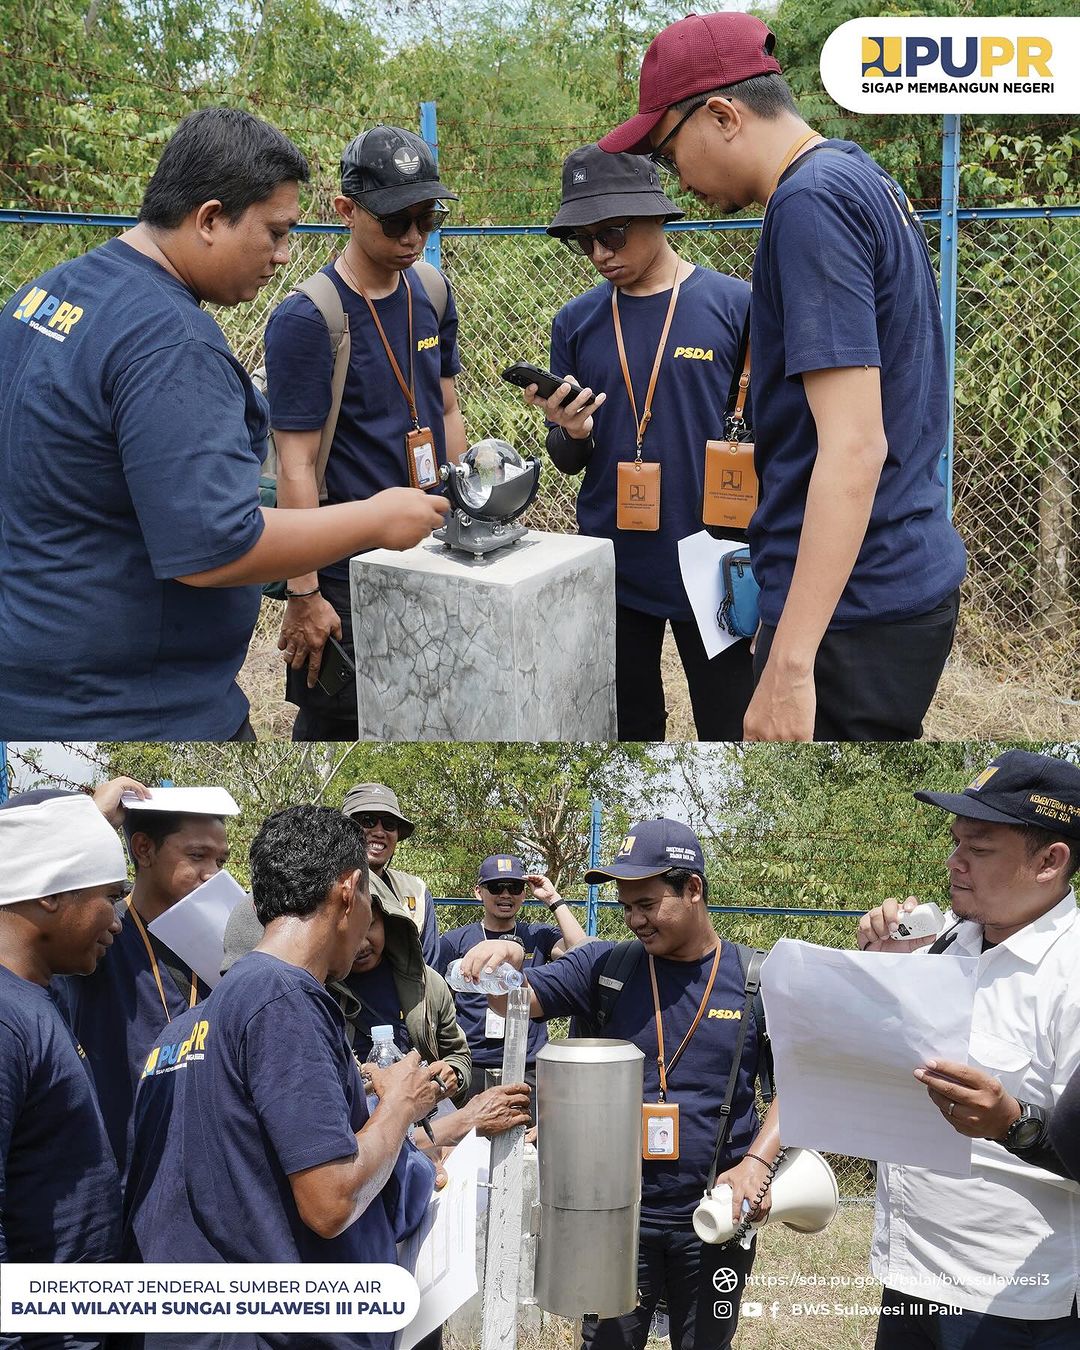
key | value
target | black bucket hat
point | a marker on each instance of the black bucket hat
(596, 187)
(388, 169)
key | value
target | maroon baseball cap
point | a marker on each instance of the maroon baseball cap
(699, 53)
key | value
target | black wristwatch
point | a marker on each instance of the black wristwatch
(1027, 1131)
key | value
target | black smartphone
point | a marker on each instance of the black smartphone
(337, 668)
(522, 374)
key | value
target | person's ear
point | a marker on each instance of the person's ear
(208, 217)
(346, 209)
(142, 848)
(726, 116)
(1051, 860)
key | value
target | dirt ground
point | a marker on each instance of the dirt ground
(972, 703)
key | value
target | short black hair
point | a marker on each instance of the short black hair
(767, 96)
(1036, 838)
(677, 877)
(158, 825)
(297, 856)
(219, 154)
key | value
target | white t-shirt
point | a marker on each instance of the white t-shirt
(1006, 1239)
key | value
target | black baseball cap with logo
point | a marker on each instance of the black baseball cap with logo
(652, 848)
(388, 169)
(1019, 787)
(599, 187)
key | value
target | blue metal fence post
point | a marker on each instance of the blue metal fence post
(429, 130)
(3, 772)
(950, 259)
(594, 861)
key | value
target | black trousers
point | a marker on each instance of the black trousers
(323, 717)
(875, 681)
(720, 689)
(917, 1324)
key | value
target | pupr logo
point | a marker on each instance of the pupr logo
(406, 162)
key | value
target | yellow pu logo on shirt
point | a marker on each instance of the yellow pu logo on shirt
(165, 1058)
(425, 343)
(47, 313)
(695, 353)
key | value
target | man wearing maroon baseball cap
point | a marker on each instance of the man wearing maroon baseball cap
(858, 562)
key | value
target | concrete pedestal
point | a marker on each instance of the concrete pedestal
(517, 647)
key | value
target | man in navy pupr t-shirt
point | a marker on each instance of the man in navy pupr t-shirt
(64, 871)
(660, 871)
(253, 1140)
(613, 212)
(858, 562)
(131, 442)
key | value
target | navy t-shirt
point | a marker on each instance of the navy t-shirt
(130, 445)
(472, 1009)
(251, 1086)
(842, 277)
(368, 453)
(688, 409)
(380, 1005)
(59, 1189)
(670, 1190)
(117, 1015)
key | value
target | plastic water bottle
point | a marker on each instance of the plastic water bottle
(499, 981)
(384, 1051)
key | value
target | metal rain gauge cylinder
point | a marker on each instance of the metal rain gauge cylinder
(588, 1095)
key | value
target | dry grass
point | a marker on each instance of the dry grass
(974, 701)
(833, 1268)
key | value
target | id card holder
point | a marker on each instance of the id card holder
(659, 1131)
(494, 1026)
(638, 499)
(420, 454)
(731, 484)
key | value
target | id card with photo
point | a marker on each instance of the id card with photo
(659, 1131)
(420, 452)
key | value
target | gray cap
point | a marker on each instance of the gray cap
(376, 797)
(388, 169)
(599, 187)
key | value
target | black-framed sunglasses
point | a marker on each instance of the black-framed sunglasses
(505, 887)
(666, 162)
(401, 222)
(367, 820)
(611, 237)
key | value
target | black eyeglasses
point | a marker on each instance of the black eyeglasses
(505, 887)
(400, 224)
(612, 237)
(367, 820)
(666, 162)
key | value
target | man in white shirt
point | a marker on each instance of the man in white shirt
(990, 1260)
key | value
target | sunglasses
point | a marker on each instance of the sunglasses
(367, 820)
(400, 224)
(666, 162)
(611, 237)
(505, 887)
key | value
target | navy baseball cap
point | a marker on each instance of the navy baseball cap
(652, 848)
(1019, 788)
(501, 867)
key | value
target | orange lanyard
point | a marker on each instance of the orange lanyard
(141, 929)
(409, 390)
(646, 415)
(789, 158)
(661, 1063)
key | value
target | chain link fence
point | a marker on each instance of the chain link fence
(1017, 395)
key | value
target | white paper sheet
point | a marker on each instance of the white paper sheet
(848, 1029)
(191, 801)
(195, 926)
(699, 563)
(442, 1251)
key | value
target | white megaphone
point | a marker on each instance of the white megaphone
(804, 1193)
